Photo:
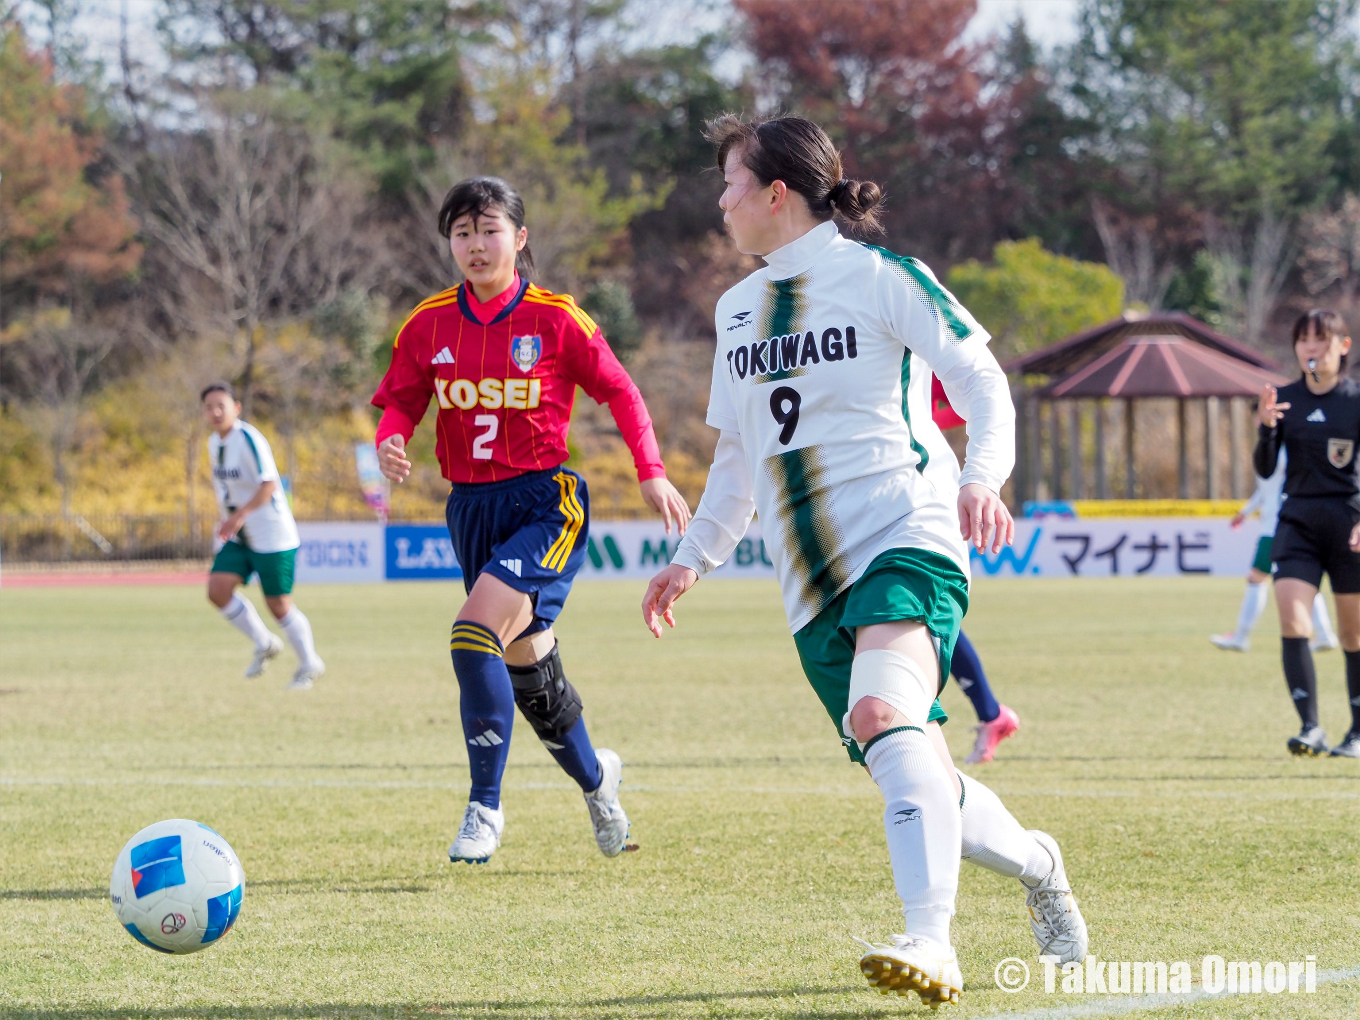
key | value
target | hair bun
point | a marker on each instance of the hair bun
(857, 201)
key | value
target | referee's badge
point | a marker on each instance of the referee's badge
(526, 350)
(1339, 452)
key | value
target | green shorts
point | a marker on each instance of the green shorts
(1262, 561)
(275, 569)
(900, 584)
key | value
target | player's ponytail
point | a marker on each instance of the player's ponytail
(478, 195)
(799, 153)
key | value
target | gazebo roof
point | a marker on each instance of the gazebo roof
(1163, 366)
(1078, 350)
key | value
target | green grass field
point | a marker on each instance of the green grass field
(1157, 762)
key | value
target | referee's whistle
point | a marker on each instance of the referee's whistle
(1312, 369)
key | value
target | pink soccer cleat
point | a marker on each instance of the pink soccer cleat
(990, 735)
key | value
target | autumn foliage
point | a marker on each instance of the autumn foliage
(62, 219)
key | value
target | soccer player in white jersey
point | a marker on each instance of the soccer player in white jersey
(258, 536)
(1266, 502)
(821, 392)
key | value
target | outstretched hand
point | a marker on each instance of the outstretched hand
(392, 460)
(662, 591)
(1268, 412)
(983, 518)
(665, 499)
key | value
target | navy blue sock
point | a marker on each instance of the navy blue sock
(968, 671)
(572, 750)
(487, 705)
(576, 756)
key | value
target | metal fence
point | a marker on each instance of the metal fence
(55, 538)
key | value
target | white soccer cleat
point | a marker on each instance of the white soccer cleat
(913, 964)
(1230, 642)
(306, 675)
(479, 835)
(1058, 925)
(606, 813)
(262, 658)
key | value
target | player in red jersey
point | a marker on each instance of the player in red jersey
(503, 358)
(996, 721)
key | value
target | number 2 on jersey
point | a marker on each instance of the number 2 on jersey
(788, 419)
(480, 445)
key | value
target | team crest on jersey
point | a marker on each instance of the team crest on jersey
(526, 350)
(1339, 452)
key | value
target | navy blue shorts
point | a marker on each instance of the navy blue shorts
(529, 531)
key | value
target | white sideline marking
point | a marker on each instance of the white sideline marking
(864, 790)
(1114, 1007)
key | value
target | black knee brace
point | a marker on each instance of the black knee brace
(545, 696)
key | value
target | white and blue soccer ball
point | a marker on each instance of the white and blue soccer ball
(177, 886)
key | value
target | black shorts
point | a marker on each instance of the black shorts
(1313, 538)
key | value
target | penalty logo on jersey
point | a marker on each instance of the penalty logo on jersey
(1339, 452)
(526, 350)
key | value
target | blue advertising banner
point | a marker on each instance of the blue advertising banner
(420, 552)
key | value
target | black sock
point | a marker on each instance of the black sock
(1299, 675)
(1353, 688)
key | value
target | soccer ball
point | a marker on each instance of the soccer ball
(177, 886)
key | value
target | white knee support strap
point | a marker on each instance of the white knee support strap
(893, 678)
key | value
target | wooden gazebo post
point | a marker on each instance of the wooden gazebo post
(1235, 445)
(1130, 472)
(1074, 449)
(1102, 489)
(1055, 437)
(1211, 447)
(1182, 454)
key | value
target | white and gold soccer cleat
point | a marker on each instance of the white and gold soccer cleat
(1054, 918)
(306, 675)
(913, 964)
(479, 835)
(262, 657)
(606, 813)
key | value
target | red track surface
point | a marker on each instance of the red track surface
(61, 580)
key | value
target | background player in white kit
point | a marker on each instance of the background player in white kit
(1266, 502)
(259, 536)
(821, 392)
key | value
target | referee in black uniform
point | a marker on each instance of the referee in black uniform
(1317, 421)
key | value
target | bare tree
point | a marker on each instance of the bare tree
(1131, 252)
(1331, 248)
(254, 226)
(53, 369)
(176, 373)
(1249, 266)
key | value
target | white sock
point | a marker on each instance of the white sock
(1322, 622)
(921, 817)
(298, 630)
(241, 614)
(1253, 605)
(993, 839)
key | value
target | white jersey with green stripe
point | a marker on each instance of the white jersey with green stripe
(240, 464)
(821, 390)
